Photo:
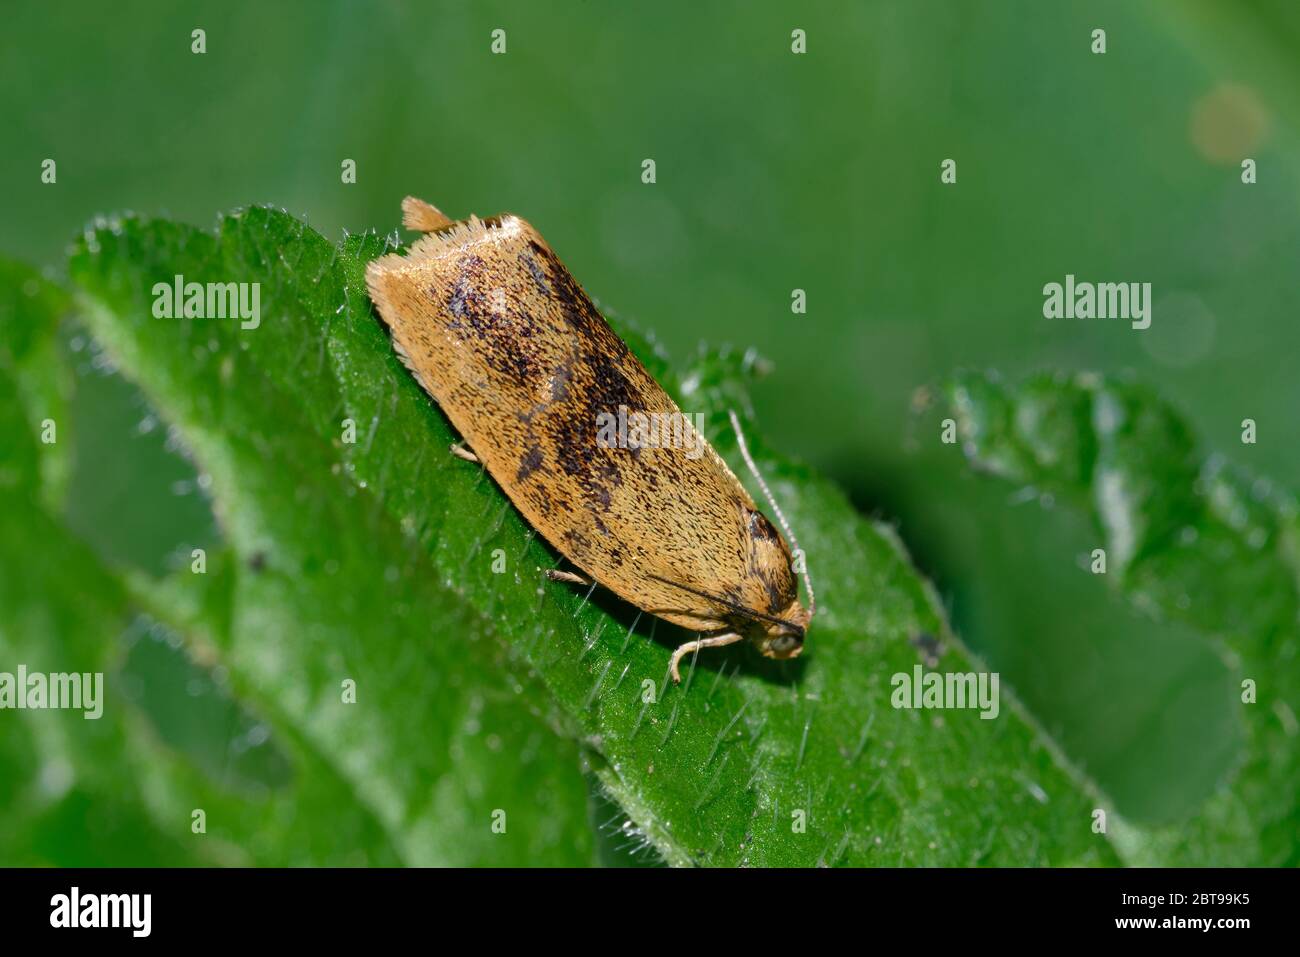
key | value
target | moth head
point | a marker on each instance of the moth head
(776, 636)
(783, 638)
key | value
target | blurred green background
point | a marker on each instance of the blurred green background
(774, 172)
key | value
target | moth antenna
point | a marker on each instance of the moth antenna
(776, 509)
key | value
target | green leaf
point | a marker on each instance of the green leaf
(1189, 538)
(476, 691)
(326, 593)
(114, 791)
(34, 383)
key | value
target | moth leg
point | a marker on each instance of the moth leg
(555, 575)
(458, 449)
(422, 217)
(714, 641)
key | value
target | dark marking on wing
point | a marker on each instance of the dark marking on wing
(602, 359)
(504, 334)
(577, 541)
(560, 380)
(535, 271)
(530, 463)
(761, 528)
(463, 294)
(777, 598)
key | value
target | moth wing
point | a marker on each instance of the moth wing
(498, 332)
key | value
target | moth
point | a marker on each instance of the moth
(496, 330)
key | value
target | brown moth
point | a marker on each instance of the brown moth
(502, 337)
